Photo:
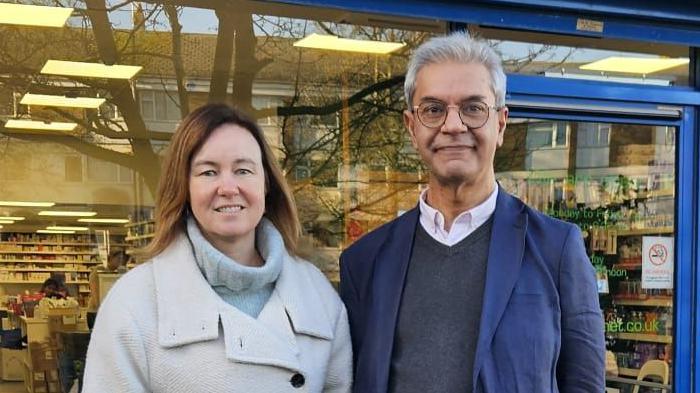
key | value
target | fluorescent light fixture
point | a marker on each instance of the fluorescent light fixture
(634, 65)
(331, 42)
(26, 204)
(53, 231)
(66, 213)
(6, 222)
(104, 220)
(90, 70)
(609, 78)
(33, 15)
(12, 218)
(69, 102)
(39, 125)
(67, 228)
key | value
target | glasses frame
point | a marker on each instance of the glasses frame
(459, 113)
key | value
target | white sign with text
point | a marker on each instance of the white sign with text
(657, 262)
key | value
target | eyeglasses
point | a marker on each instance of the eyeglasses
(473, 114)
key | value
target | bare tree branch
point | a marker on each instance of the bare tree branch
(176, 30)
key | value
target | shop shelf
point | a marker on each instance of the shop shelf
(51, 244)
(651, 302)
(146, 236)
(138, 223)
(48, 261)
(46, 270)
(49, 252)
(653, 338)
(645, 231)
(22, 281)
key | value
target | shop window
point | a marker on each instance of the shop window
(621, 196)
(322, 109)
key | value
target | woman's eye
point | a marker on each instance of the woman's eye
(209, 172)
(243, 171)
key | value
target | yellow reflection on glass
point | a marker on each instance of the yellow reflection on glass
(90, 70)
(62, 101)
(39, 125)
(26, 204)
(634, 65)
(330, 42)
(33, 15)
(104, 220)
(66, 213)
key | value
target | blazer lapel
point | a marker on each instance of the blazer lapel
(389, 276)
(505, 259)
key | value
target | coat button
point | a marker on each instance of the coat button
(297, 380)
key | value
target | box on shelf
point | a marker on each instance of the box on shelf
(12, 364)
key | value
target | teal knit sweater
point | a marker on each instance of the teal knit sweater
(246, 288)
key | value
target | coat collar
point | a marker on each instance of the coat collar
(189, 311)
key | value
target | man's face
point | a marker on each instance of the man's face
(454, 153)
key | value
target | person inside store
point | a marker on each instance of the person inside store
(223, 304)
(116, 261)
(54, 288)
(471, 290)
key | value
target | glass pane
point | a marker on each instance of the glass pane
(331, 115)
(617, 185)
(589, 58)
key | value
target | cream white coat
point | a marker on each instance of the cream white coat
(163, 329)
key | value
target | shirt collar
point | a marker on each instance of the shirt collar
(434, 221)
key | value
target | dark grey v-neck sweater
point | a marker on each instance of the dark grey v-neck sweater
(438, 323)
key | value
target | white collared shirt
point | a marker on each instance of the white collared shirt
(466, 222)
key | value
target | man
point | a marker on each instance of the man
(472, 290)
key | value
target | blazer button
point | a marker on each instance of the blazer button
(297, 380)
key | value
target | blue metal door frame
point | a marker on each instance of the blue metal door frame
(681, 27)
(639, 20)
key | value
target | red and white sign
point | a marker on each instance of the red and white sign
(657, 262)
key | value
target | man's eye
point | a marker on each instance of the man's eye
(433, 109)
(473, 108)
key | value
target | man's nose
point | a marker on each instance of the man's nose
(453, 123)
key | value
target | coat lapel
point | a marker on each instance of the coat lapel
(506, 252)
(389, 277)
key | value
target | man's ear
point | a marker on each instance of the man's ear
(502, 123)
(410, 123)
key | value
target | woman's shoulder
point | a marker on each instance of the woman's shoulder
(317, 280)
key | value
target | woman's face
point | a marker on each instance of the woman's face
(227, 186)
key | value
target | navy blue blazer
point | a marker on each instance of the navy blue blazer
(541, 327)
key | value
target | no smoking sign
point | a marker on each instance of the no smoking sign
(658, 254)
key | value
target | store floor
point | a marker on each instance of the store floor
(12, 387)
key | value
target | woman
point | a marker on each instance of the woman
(223, 305)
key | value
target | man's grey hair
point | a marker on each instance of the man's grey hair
(460, 48)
